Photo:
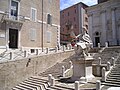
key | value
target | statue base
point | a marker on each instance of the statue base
(82, 69)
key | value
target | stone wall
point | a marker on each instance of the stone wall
(13, 72)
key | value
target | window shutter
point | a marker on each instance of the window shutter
(32, 34)
(48, 37)
(33, 14)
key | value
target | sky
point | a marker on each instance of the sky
(67, 3)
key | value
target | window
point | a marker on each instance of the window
(33, 14)
(48, 37)
(49, 19)
(68, 14)
(75, 10)
(63, 16)
(14, 9)
(32, 34)
(32, 50)
(96, 33)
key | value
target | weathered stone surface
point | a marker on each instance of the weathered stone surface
(13, 72)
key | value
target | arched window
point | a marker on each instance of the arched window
(97, 33)
(49, 19)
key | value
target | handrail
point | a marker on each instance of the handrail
(18, 54)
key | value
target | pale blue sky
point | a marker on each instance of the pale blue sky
(67, 3)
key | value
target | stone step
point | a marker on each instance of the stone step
(22, 88)
(40, 78)
(115, 71)
(58, 88)
(113, 75)
(37, 80)
(63, 87)
(15, 88)
(40, 86)
(113, 81)
(43, 85)
(31, 85)
(27, 87)
(116, 80)
(111, 84)
(116, 67)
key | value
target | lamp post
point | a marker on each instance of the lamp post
(42, 27)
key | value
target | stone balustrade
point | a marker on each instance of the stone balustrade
(103, 74)
(63, 71)
(108, 66)
(98, 85)
(25, 53)
(77, 85)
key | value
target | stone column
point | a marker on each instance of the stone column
(113, 27)
(103, 28)
(103, 74)
(98, 85)
(98, 45)
(11, 55)
(37, 51)
(70, 62)
(47, 50)
(113, 61)
(25, 53)
(108, 66)
(52, 83)
(106, 44)
(99, 60)
(76, 85)
(49, 78)
(56, 49)
(64, 48)
(63, 71)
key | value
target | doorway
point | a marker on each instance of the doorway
(97, 40)
(13, 38)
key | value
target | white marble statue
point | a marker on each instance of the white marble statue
(83, 45)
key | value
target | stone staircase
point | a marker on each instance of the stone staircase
(56, 70)
(39, 83)
(113, 78)
(107, 54)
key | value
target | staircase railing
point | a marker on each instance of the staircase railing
(19, 54)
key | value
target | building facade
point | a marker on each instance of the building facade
(104, 22)
(75, 15)
(101, 1)
(29, 24)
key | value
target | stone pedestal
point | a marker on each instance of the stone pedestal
(82, 69)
